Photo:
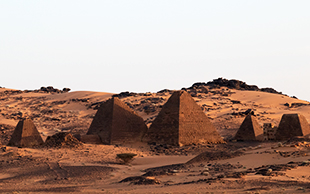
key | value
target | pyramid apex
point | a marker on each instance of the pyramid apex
(180, 92)
(115, 98)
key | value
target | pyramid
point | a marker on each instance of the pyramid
(292, 125)
(116, 123)
(182, 122)
(250, 130)
(25, 135)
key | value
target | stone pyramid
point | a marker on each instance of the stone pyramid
(182, 122)
(292, 125)
(250, 130)
(25, 135)
(116, 123)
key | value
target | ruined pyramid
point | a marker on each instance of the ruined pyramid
(250, 130)
(292, 125)
(62, 140)
(182, 122)
(25, 135)
(116, 123)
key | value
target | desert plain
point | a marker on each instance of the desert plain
(230, 167)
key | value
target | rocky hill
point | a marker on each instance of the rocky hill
(233, 84)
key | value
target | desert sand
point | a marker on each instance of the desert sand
(232, 167)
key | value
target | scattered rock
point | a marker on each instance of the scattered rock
(124, 94)
(66, 89)
(141, 180)
(235, 174)
(205, 173)
(243, 113)
(275, 170)
(235, 101)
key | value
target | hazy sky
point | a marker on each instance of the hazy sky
(140, 46)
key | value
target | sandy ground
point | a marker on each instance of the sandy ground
(95, 169)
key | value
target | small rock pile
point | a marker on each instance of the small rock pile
(63, 140)
(141, 180)
(228, 169)
(277, 169)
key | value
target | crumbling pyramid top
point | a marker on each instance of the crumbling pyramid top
(250, 130)
(25, 135)
(292, 125)
(116, 123)
(182, 122)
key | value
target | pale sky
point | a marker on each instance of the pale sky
(145, 45)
